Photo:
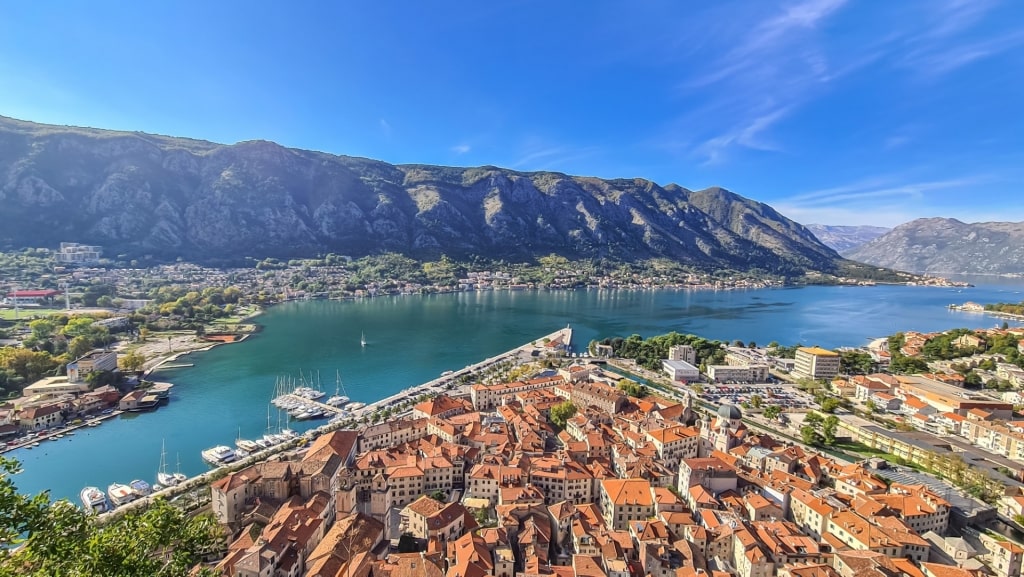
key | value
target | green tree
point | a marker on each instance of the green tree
(42, 329)
(27, 364)
(870, 406)
(79, 346)
(632, 388)
(772, 412)
(407, 543)
(813, 419)
(562, 412)
(828, 429)
(829, 404)
(855, 362)
(756, 401)
(132, 361)
(808, 435)
(61, 539)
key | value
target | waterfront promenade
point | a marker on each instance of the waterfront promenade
(523, 353)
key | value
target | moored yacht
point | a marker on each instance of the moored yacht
(140, 488)
(94, 500)
(120, 494)
(179, 477)
(247, 445)
(162, 476)
(218, 455)
(338, 399)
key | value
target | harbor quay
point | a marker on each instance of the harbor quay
(560, 338)
(199, 485)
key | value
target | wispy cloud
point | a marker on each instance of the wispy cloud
(954, 16)
(895, 141)
(748, 134)
(771, 70)
(946, 43)
(385, 127)
(936, 60)
(883, 200)
(552, 157)
(881, 188)
(768, 37)
(461, 149)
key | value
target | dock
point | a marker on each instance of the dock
(318, 404)
(562, 336)
(201, 482)
(51, 433)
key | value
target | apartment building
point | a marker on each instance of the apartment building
(816, 363)
(624, 501)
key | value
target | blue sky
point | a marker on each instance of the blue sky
(833, 111)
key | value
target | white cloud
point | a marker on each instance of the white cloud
(557, 158)
(944, 43)
(885, 188)
(772, 69)
(385, 127)
(883, 201)
(461, 149)
(747, 135)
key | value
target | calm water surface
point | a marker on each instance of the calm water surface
(412, 339)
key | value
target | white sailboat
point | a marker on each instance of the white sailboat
(362, 339)
(338, 399)
(162, 476)
(178, 475)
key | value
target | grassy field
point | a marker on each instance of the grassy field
(26, 314)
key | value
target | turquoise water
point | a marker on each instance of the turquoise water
(412, 339)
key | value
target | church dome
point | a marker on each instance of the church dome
(730, 412)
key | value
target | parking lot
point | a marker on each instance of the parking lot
(784, 396)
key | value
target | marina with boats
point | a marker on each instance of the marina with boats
(305, 393)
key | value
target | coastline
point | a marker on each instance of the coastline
(201, 344)
(563, 336)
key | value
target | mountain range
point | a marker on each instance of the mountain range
(165, 197)
(844, 238)
(947, 246)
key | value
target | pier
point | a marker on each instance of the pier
(563, 337)
(318, 404)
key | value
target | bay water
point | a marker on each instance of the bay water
(413, 339)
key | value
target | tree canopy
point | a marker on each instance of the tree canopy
(58, 538)
(650, 352)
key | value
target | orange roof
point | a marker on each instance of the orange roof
(629, 491)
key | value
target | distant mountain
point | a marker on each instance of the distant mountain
(948, 246)
(140, 194)
(844, 238)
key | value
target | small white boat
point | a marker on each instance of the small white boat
(362, 339)
(162, 476)
(120, 494)
(94, 500)
(140, 488)
(356, 406)
(218, 455)
(247, 445)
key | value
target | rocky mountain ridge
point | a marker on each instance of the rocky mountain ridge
(843, 238)
(948, 246)
(140, 194)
